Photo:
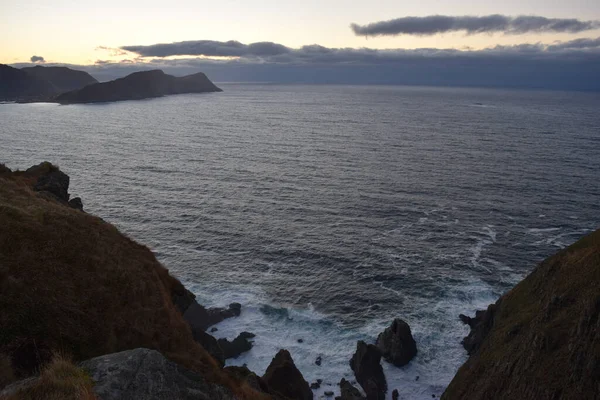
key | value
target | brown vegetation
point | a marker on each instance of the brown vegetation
(72, 283)
(544, 342)
(59, 380)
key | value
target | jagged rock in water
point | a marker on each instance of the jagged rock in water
(147, 374)
(395, 394)
(202, 318)
(396, 343)
(366, 364)
(182, 298)
(237, 346)
(283, 378)
(349, 392)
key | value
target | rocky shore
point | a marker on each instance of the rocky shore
(133, 331)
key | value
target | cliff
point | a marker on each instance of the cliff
(62, 78)
(138, 86)
(16, 84)
(39, 83)
(541, 340)
(74, 285)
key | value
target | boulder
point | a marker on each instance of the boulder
(396, 343)
(147, 374)
(237, 346)
(395, 394)
(284, 379)
(366, 364)
(349, 392)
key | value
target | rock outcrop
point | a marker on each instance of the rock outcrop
(481, 324)
(138, 86)
(237, 346)
(349, 392)
(396, 343)
(366, 364)
(284, 379)
(202, 318)
(147, 374)
(541, 340)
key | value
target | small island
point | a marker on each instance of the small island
(138, 86)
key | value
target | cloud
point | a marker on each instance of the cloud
(496, 23)
(268, 52)
(209, 48)
(113, 51)
(37, 59)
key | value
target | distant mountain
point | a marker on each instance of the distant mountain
(16, 84)
(64, 79)
(137, 86)
(39, 83)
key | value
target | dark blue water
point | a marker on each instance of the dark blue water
(329, 210)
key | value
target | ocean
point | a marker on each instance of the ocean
(328, 211)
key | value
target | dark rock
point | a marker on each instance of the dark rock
(417, 378)
(199, 317)
(396, 343)
(319, 360)
(319, 381)
(62, 78)
(237, 346)
(214, 329)
(283, 378)
(300, 340)
(328, 393)
(236, 309)
(147, 374)
(4, 169)
(182, 298)
(243, 374)
(315, 385)
(211, 345)
(349, 392)
(51, 180)
(137, 86)
(395, 394)
(480, 326)
(367, 368)
(76, 203)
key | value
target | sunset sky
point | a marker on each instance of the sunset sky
(73, 31)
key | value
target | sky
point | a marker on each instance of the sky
(94, 33)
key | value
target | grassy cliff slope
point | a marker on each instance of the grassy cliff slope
(543, 338)
(72, 284)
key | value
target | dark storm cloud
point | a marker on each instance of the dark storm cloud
(435, 24)
(209, 48)
(37, 59)
(268, 52)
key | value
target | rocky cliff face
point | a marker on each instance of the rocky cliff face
(541, 340)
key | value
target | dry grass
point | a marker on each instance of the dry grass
(72, 283)
(59, 380)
